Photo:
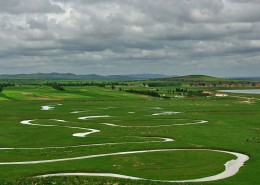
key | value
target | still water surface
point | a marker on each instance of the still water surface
(247, 91)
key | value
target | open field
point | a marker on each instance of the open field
(98, 130)
(31, 92)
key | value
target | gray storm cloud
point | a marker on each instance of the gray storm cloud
(219, 37)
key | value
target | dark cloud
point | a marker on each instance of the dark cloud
(131, 36)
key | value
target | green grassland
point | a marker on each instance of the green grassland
(233, 125)
(30, 92)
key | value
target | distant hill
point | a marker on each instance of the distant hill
(196, 78)
(247, 78)
(71, 76)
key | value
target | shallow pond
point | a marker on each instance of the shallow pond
(247, 91)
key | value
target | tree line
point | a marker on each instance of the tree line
(56, 86)
(162, 84)
(224, 84)
(98, 84)
(2, 85)
(144, 92)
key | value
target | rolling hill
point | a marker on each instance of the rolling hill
(196, 78)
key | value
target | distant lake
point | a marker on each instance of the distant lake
(247, 91)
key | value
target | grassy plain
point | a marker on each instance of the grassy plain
(233, 125)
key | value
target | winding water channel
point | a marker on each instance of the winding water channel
(231, 167)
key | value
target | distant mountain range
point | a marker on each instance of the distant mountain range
(71, 76)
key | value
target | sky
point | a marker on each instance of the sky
(172, 37)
